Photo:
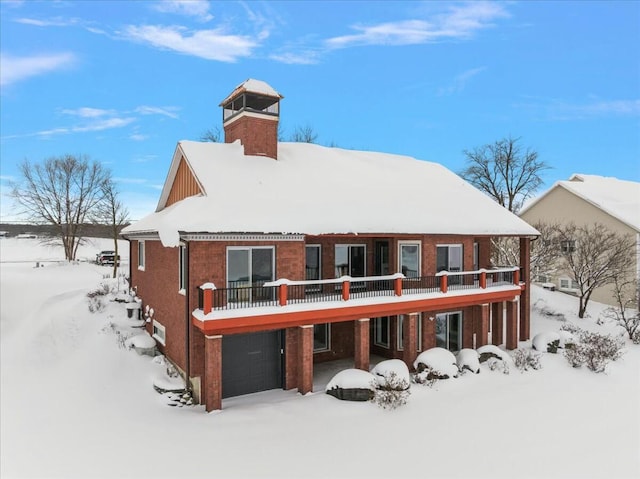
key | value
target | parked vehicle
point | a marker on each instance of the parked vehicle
(107, 258)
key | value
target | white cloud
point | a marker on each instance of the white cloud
(458, 22)
(559, 110)
(99, 125)
(208, 44)
(291, 58)
(87, 112)
(138, 137)
(190, 8)
(14, 69)
(154, 110)
(53, 22)
(460, 81)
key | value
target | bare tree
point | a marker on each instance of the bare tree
(62, 191)
(625, 314)
(545, 252)
(595, 256)
(505, 171)
(304, 134)
(111, 211)
(212, 134)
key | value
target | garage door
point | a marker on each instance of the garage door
(251, 363)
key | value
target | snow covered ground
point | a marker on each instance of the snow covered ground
(74, 404)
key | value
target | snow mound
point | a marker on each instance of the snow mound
(352, 379)
(491, 349)
(468, 359)
(141, 341)
(385, 369)
(166, 384)
(541, 341)
(565, 338)
(438, 360)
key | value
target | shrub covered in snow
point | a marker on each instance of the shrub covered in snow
(469, 360)
(495, 358)
(525, 359)
(352, 385)
(394, 380)
(594, 350)
(388, 366)
(435, 363)
(547, 342)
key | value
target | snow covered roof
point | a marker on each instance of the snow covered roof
(253, 86)
(313, 189)
(619, 198)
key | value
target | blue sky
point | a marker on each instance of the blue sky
(123, 82)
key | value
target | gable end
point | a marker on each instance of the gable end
(184, 184)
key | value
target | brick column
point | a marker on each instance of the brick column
(481, 321)
(213, 372)
(525, 296)
(428, 330)
(467, 328)
(291, 358)
(305, 359)
(410, 340)
(497, 323)
(361, 344)
(512, 324)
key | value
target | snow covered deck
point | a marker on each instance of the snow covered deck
(285, 303)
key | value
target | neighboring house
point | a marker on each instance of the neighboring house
(264, 258)
(586, 200)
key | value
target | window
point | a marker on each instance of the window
(476, 256)
(567, 246)
(568, 283)
(449, 258)
(350, 260)
(401, 333)
(321, 337)
(182, 268)
(159, 332)
(409, 259)
(141, 255)
(312, 267)
(381, 332)
(250, 268)
(449, 330)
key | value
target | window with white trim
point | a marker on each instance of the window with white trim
(141, 255)
(182, 268)
(159, 332)
(400, 334)
(409, 258)
(568, 283)
(321, 337)
(381, 332)
(567, 246)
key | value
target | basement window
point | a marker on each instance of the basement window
(159, 332)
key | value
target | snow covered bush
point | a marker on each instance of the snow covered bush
(97, 297)
(547, 342)
(435, 363)
(394, 393)
(352, 385)
(525, 359)
(468, 360)
(496, 358)
(594, 350)
(393, 383)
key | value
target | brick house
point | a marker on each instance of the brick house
(263, 258)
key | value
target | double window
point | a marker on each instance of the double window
(449, 258)
(248, 268)
(567, 246)
(350, 260)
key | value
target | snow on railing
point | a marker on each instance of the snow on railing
(284, 291)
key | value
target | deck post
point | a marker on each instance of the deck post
(345, 290)
(305, 359)
(409, 343)
(213, 372)
(483, 280)
(361, 346)
(497, 323)
(282, 294)
(443, 283)
(512, 324)
(481, 314)
(428, 330)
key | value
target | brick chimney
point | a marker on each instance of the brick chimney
(251, 114)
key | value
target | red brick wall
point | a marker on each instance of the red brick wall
(258, 136)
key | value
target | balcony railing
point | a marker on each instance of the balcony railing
(284, 292)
